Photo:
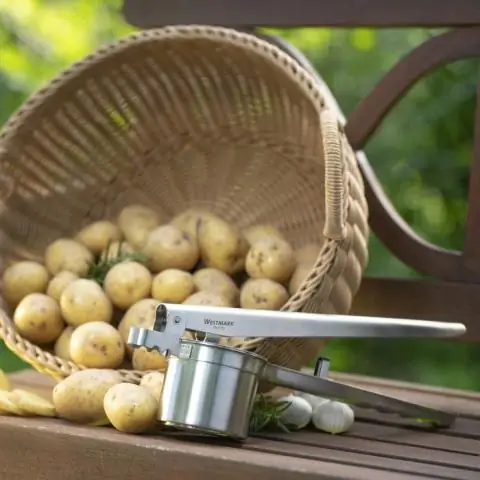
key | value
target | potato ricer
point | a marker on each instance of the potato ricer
(210, 388)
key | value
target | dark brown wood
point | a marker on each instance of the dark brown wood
(412, 298)
(392, 230)
(373, 450)
(283, 13)
(472, 233)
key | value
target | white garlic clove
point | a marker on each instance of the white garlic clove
(298, 414)
(333, 417)
(311, 399)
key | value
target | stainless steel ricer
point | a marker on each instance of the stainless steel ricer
(210, 388)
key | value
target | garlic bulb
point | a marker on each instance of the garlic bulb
(311, 399)
(333, 417)
(298, 414)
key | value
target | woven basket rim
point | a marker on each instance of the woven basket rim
(270, 53)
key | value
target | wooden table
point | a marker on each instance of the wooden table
(378, 447)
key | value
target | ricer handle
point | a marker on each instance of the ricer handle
(240, 322)
(323, 387)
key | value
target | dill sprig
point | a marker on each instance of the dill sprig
(267, 414)
(98, 268)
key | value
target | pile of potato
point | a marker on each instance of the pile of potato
(197, 258)
(91, 397)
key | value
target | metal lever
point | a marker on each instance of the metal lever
(320, 386)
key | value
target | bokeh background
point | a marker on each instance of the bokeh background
(421, 153)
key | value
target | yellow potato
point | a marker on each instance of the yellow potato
(130, 408)
(308, 253)
(141, 315)
(59, 283)
(153, 382)
(142, 359)
(23, 278)
(190, 220)
(67, 254)
(257, 232)
(271, 258)
(62, 345)
(97, 345)
(136, 222)
(126, 283)
(170, 247)
(207, 298)
(84, 301)
(8, 404)
(4, 381)
(172, 286)
(38, 318)
(300, 273)
(116, 249)
(263, 294)
(98, 235)
(216, 281)
(31, 404)
(79, 398)
(222, 246)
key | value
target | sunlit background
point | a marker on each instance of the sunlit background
(421, 153)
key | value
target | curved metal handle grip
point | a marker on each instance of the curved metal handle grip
(322, 387)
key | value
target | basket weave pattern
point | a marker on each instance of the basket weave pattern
(185, 117)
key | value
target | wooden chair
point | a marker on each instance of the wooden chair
(451, 290)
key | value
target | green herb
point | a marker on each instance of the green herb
(267, 414)
(98, 269)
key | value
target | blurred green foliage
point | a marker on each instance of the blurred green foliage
(421, 153)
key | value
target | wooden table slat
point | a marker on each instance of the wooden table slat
(379, 446)
(347, 443)
(362, 459)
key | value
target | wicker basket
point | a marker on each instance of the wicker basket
(180, 117)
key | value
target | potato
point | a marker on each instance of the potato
(207, 298)
(216, 281)
(79, 398)
(115, 249)
(126, 283)
(38, 318)
(33, 405)
(308, 253)
(23, 278)
(141, 315)
(299, 275)
(153, 382)
(62, 345)
(84, 301)
(98, 235)
(136, 222)
(67, 254)
(4, 381)
(222, 246)
(263, 294)
(172, 286)
(59, 283)
(8, 404)
(190, 220)
(97, 345)
(142, 359)
(170, 247)
(257, 232)
(130, 408)
(271, 258)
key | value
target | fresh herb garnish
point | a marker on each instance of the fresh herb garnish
(267, 413)
(98, 269)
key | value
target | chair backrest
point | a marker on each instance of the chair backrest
(452, 291)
